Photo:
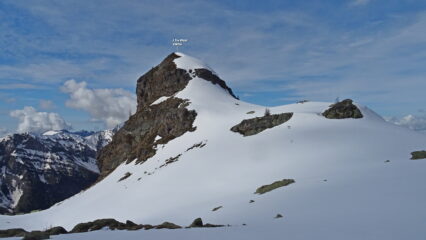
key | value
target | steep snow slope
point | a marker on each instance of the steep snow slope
(344, 189)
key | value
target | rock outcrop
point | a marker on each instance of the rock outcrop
(416, 155)
(155, 122)
(252, 126)
(343, 109)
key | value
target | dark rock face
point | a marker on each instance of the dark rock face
(168, 119)
(209, 76)
(343, 109)
(39, 171)
(252, 126)
(162, 80)
(136, 139)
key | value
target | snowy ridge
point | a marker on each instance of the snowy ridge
(190, 63)
(344, 186)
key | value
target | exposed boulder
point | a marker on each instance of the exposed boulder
(343, 109)
(277, 184)
(416, 155)
(197, 223)
(256, 125)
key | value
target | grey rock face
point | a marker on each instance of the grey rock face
(252, 126)
(343, 109)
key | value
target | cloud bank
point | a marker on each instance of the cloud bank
(111, 106)
(30, 120)
(416, 123)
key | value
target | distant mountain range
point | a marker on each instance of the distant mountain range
(39, 170)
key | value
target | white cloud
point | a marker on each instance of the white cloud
(416, 123)
(46, 104)
(32, 121)
(112, 106)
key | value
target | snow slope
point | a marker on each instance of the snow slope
(344, 188)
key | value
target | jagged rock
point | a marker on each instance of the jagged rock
(343, 109)
(41, 170)
(198, 222)
(168, 119)
(256, 125)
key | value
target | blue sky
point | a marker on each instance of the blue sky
(269, 52)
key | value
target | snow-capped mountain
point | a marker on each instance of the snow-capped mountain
(312, 170)
(38, 171)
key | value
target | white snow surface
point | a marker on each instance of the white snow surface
(51, 132)
(160, 100)
(344, 189)
(190, 63)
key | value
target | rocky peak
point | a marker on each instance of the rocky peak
(168, 78)
(343, 109)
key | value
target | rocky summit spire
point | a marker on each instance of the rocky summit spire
(157, 123)
(171, 76)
